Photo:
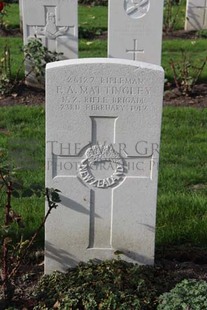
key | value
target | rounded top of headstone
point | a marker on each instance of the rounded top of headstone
(82, 61)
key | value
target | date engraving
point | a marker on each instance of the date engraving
(122, 94)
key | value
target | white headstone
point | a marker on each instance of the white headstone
(55, 23)
(196, 15)
(103, 120)
(135, 30)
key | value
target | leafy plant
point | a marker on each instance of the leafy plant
(38, 56)
(186, 72)
(171, 14)
(14, 253)
(111, 284)
(8, 82)
(187, 295)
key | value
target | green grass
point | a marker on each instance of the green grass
(194, 49)
(175, 17)
(12, 17)
(181, 214)
(21, 126)
(15, 46)
(89, 48)
(22, 140)
(89, 18)
(92, 20)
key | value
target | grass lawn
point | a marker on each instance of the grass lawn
(181, 214)
(94, 17)
(195, 50)
(22, 143)
(12, 17)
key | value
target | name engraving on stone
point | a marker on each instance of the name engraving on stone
(108, 94)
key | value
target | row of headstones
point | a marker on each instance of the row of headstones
(130, 36)
(57, 20)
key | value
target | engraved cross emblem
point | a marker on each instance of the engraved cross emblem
(50, 31)
(101, 182)
(135, 51)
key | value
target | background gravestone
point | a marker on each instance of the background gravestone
(135, 30)
(196, 15)
(55, 23)
(103, 121)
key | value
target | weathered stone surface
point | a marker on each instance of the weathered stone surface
(55, 23)
(103, 121)
(196, 15)
(135, 30)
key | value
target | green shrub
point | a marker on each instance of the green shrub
(172, 14)
(187, 71)
(38, 56)
(108, 285)
(187, 295)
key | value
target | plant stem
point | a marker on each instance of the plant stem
(25, 251)
(5, 260)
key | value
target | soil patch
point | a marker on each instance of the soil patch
(24, 96)
(198, 99)
(10, 32)
(182, 34)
